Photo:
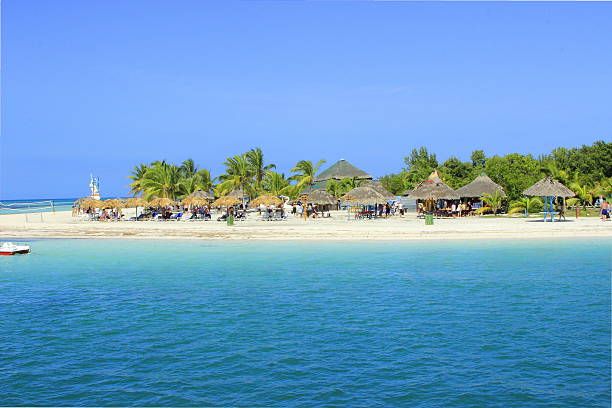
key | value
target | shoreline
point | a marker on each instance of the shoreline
(338, 228)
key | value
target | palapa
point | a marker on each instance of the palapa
(201, 194)
(239, 194)
(365, 195)
(111, 203)
(342, 169)
(225, 201)
(548, 187)
(194, 201)
(89, 203)
(266, 200)
(480, 186)
(305, 197)
(136, 202)
(162, 202)
(322, 197)
(378, 186)
(348, 197)
(433, 189)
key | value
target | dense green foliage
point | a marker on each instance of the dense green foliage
(587, 170)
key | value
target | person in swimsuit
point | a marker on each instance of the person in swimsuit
(605, 210)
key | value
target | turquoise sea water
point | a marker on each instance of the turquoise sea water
(457, 324)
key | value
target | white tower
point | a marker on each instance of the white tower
(94, 186)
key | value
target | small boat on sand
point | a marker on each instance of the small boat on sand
(8, 248)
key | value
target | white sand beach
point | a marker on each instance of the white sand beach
(338, 227)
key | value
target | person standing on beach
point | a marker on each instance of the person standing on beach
(605, 210)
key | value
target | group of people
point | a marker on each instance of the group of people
(450, 208)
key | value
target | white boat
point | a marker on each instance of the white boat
(8, 248)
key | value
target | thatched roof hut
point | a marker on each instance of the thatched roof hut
(322, 197)
(339, 170)
(433, 189)
(378, 186)
(201, 194)
(365, 195)
(548, 187)
(225, 201)
(480, 186)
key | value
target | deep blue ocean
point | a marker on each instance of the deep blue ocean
(195, 323)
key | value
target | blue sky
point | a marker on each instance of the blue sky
(99, 86)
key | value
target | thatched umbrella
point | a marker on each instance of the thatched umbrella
(111, 203)
(194, 201)
(201, 194)
(162, 202)
(225, 201)
(81, 200)
(89, 203)
(305, 197)
(266, 200)
(480, 186)
(239, 194)
(549, 188)
(135, 202)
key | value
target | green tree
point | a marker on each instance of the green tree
(188, 168)
(259, 169)
(583, 194)
(514, 172)
(276, 183)
(238, 175)
(395, 183)
(334, 188)
(493, 203)
(137, 175)
(456, 173)
(526, 204)
(163, 181)
(305, 172)
(419, 165)
(478, 159)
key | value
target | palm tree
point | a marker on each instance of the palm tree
(238, 175)
(188, 168)
(255, 159)
(306, 172)
(349, 183)
(493, 203)
(551, 169)
(162, 180)
(137, 175)
(199, 181)
(527, 204)
(334, 188)
(276, 183)
(584, 195)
